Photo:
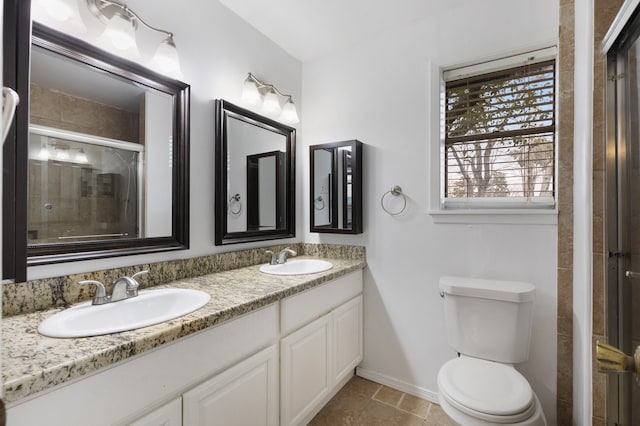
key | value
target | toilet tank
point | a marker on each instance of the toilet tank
(488, 319)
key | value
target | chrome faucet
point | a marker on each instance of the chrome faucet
(124, 288)
(280, 257)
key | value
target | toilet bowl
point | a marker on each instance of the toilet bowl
(479, 392)
(488, 323)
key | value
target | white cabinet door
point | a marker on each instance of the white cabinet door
(169, 414)
(347, 332)
(305, 370)
(243, 395)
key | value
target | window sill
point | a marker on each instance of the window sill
(497, 216)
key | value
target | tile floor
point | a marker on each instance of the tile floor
(362, 402)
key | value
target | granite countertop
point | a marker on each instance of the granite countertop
(32, 363)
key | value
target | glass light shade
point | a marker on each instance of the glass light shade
(289, 113)
(81, 157)
(62, 155)
(250, 92)
(63, 15)
(166, 60)
(271, 103)
(59, 10)
(121, 36)
(43, 154)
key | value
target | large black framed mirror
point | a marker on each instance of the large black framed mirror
(336, 187)
(106, 157)
(255, 176)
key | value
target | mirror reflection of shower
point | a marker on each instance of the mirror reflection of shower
(83, 187)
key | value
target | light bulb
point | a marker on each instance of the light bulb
(80, 157)
(165, 60)
(250, 92)
(43, 154)
(62, 155)
(289, 113)
(271, 103)
(120, 35)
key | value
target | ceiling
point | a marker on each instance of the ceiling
(308, 29)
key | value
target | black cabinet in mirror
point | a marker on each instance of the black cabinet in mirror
(255, 176)
(107, 157)
(336, 187)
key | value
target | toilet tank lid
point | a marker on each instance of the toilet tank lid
(509, 291)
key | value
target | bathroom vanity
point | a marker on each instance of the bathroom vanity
(265, 350)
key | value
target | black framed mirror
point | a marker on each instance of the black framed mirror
(107, 154)
(336, 187)
(255, 176)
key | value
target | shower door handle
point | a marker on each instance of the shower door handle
(631, 274)
(613, 360)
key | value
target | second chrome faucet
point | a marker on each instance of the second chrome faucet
(280, 257)
(124, 288)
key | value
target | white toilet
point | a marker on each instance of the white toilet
(489, 324)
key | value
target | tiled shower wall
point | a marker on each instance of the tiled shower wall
(565, 213)
(604, 13)
(62, 111)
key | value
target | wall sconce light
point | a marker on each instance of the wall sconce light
(255, 90)
(119, 36)
(64, 14)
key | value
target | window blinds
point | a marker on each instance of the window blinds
(500, 134)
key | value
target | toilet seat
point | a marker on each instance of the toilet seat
(486, 390)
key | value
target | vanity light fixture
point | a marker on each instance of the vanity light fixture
(255, 90)
(119, 36)
(63, 14)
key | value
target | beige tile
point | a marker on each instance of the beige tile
(346, 406)
(564, 414)
(388, 395)
(379, 414)
(341, 410)
(599, 392)
(565, 237)
(414, 405)
(565, 297)
(437, 417)
(599, 298)
(565, 367)
(598, 211)
(361, 386)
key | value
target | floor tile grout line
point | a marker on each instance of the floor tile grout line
(428, 410)
(400, 400)
(376, 392)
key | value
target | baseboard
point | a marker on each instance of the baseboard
(398, 384)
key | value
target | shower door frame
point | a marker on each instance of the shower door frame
(617, 219)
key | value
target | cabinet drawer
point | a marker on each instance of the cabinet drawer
(304, 307)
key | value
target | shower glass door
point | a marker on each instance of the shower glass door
(623, 218)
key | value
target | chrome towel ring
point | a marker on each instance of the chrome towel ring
(318, 199)
(396, 191)
(235, 206)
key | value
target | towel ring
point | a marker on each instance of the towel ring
(396, 191)
(318, 199)
(234, 200)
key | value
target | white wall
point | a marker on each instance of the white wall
(378, 93)
(217, 49)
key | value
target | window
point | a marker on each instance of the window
(499, 134)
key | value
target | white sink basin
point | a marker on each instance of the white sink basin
(297, 267)
(148, 308)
